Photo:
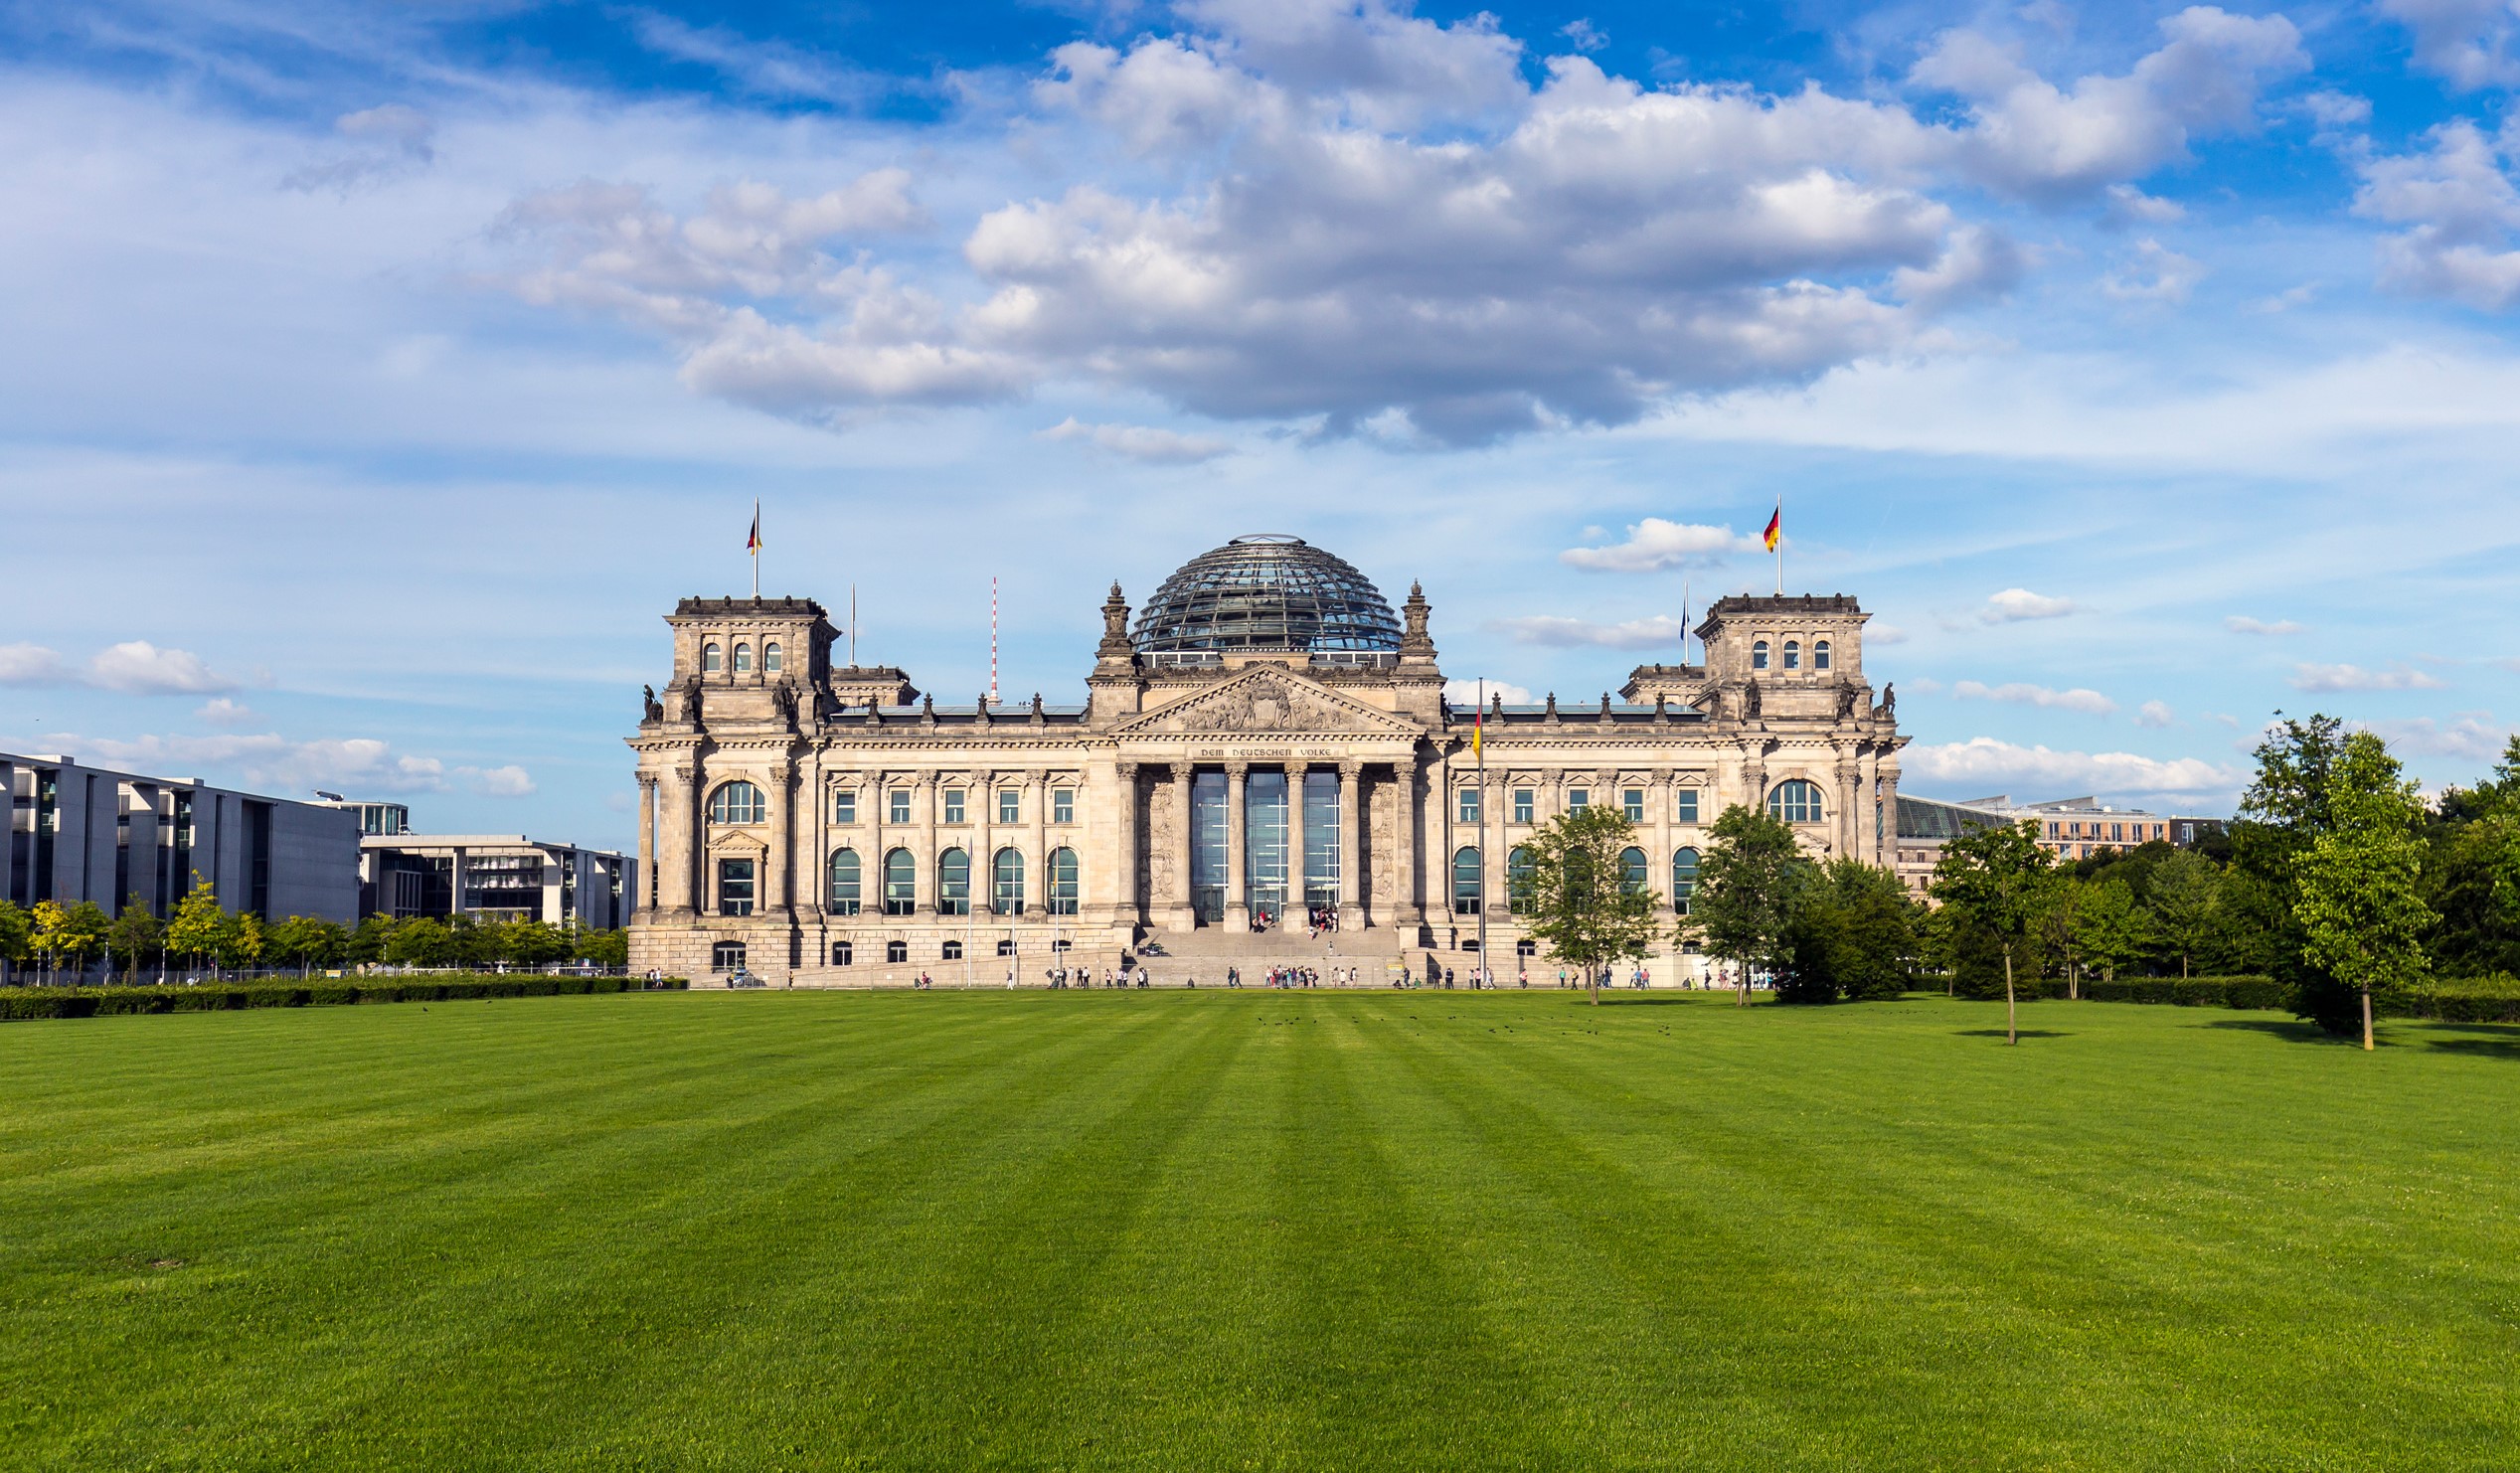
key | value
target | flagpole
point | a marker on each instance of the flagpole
(756, 547)
(1479, 750)
(1684, 621)
(853, 626)
(1780, 545)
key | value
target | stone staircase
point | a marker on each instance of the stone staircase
(1205, 954)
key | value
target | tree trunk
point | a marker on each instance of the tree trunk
(2366, 1020)
(2183, 966)
(2012, 1031)
(1592, 984)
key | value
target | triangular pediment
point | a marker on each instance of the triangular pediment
(1271, 701)
(737, 841)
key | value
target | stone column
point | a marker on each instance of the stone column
(1493, 847)
(680, 817)
(1123, 877)
(1296, 839)
(775, 890)
(1238, 912)
(642, 894)
(1410, 910)
(1351, 847)
(1037, 874)
(1851, 805)
(871, 790)
(923, 799)
(984, 845)
(1182, 918)
(1663, 795)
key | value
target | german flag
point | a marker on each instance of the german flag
(1775, 529)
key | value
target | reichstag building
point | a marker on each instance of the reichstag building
(1267, 754)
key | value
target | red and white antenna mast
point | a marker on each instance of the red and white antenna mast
(992, 641)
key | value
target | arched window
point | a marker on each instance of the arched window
(1520, 875)
(844, 882)
(1632, 873)
(770, 658)
(1466, 882)
(1793, 654)
(742, 658)
(1820, 654)
(1759, 655)
(712, 659)
(1006, 884)
(901, 883)
(1062, 881)
(735, 802)
(1684, 879)
(953, 883)
(1795, 801)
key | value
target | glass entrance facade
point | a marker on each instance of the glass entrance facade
(1207, 846)
(1265, 844)
(1321, 838)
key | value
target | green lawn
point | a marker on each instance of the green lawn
(1254, 1229)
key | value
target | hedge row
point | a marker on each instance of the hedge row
(2192, 992)
(2493, 999)
(17, 1003)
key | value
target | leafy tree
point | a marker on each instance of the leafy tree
(308, 940)
(2062, 925)
(473, 943)
(1996, 877)
(421, 941)
(1854, 934)
(198, 923)
(535, 943)
(2111, 929)
(51, 919)
(2281, 816)
(135, 935)
(2185, 889)
(1574, 894)
(2358, 902)
(1750, 881)
(604, 948)
(17, 935)
(242, 941)
(368, 942)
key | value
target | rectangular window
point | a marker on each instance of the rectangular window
(897, 951)
(844, 806)
(735, 887)
(1006, 948)
(1469, 805)
(726, 957)
(1633, 802)
(897, 805)
(1579, 799)
(1522, 805)
(1063, 805)
(842, 953)
(953, 951)
(953, 805)
(1010, 805)
(1687, 804)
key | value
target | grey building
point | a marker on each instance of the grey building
(81, 833)
(492, 877)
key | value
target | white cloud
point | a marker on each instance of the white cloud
(1659, 631)
(221, 712)
(2013, 605)
(1464, 693)
(2475, 736)
(1655, 546)
(1141, 442)
(1583, 36)
(271, 761)
(510, 781)
(2128, 205)
(2156, 274)
(32, 665)
(2087, 700)
(2473, 43)
(379, 144)
(1988, 762)
(1878, 633)
(2398, 677)
(141, 668)
(2154, 714)
(2462, 207)
(2243, 625)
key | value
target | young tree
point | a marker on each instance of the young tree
(2062, 925)
(240, 942)
(16, 935)
(48, 922)
(2281, 816)
(368, 942)
(534, 943)
(308, 940)
(198, 922)
(2111, 929)
(421, 941)
(1853, 934)
(1998, 879)
(1576, 896)
(2185, 888)
(83, 933)
(604, 948)
(2358, 902)
(135, 935)
(1750, 881)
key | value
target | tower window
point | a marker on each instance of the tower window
(1795, 801)
(742, 658)
(1820, 654)
(1759, 655)
(712, 659)
(735, 802)
(1793, 654)
(770, 658)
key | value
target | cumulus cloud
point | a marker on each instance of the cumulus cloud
(2462, 209)
(2243, 625)
(510, 781)
(2398, 677)
(2013, 605)
(1465, 692)
(2020, 694)
(32, 665)
(141, 668)
(374, 145)
(2475, 736)
(2154, 714)
(1986, 762)
(2128, 205)
(2471, 42)
(2156, 275)
(1878, 633)
(221, 712)
(1141, 441)
(271, 761)
(1564, 633)
(1656, 546)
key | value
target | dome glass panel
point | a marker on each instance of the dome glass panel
(1266, 592)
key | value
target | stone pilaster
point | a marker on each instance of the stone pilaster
(1183, 917)
(1238, 910)
(1351, 828)
(1296, 839)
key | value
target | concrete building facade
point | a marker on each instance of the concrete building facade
(81, 833)
(1270, 743)
(494, 877)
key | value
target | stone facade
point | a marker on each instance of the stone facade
(829, 826)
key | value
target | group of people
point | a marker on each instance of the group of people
(1291, 977)
(1062, 977)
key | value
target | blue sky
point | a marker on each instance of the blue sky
(378, 375)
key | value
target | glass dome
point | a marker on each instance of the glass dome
(1266, 592)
